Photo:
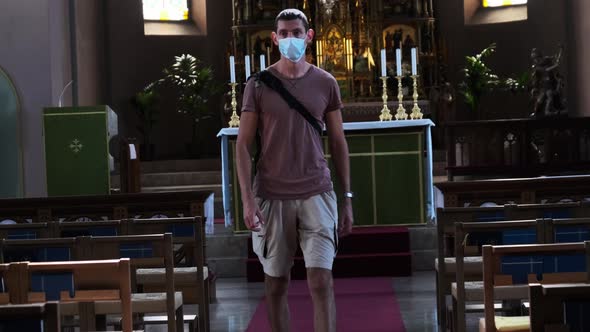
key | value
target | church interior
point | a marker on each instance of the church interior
(468, 131)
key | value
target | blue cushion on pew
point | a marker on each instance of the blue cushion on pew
(52, 284)
(571, 234)
(490, 216)
(136, 251)
(564, 263)
(519, 236)
(481, 238)
(182, 230)
(94, 231)
(558, 213)
(521, 266)
(32, 325)
(22, 235)
(37, 255)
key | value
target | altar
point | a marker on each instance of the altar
(390, 170)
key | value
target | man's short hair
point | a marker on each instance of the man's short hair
(291, 14)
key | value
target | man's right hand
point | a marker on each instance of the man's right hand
(252, 215)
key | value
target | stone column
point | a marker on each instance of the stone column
(579, 57)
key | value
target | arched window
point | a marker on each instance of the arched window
(175, 17)
(165, 10)
(501, 3)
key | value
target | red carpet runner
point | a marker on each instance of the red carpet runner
(363, 304)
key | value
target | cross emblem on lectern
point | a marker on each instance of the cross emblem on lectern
(76, 145)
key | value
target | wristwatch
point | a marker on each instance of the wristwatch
(348, 194)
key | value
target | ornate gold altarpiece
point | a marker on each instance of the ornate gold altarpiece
(349, 37)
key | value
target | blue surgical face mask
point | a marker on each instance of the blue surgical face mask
(292, 48)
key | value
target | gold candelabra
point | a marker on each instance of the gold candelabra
(235, 119)
(385, 113)
(401, 111)
(416, 113)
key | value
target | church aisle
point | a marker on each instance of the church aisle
(237, 301)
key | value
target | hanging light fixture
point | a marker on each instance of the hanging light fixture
(328, 6)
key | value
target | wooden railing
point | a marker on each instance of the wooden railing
(100, 207)
(552, 189)
(518, 147)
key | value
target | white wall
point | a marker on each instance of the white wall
(580, 46)
(34, 51)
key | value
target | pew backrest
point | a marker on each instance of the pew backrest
(143, 251)
(492, 275)
(92, 281)
(104, 207)
(547, 303)
(47, 312)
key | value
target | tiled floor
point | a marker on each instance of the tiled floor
(237, 300)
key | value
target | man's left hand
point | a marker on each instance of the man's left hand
(345, 219)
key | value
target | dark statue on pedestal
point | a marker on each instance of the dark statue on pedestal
(546, 85)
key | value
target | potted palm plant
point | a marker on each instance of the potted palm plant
(478, 78)
(194, 86)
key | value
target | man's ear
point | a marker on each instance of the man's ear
(310, 35)
(273, 36)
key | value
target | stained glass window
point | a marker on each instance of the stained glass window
(500, 3)
(165, 10)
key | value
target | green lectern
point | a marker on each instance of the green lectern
(77, 155)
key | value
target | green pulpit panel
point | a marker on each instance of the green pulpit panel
(390, 170)
(76, 149)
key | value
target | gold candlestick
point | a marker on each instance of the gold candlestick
(385, 113)
(416, 114)
(401, 111)
(235, 119)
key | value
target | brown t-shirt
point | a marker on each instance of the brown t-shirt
(292, 163)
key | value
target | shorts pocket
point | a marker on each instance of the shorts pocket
(259, 244)
(335, 238)
(259, 239)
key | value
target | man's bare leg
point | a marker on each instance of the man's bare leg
(321, 287)
(276, 299)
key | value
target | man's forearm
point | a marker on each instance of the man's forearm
(341, 163)
(244, 168)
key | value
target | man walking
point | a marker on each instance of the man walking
(291, 199)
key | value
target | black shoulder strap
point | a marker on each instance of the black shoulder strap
(275, 84)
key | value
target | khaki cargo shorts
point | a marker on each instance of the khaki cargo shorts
(313, 222)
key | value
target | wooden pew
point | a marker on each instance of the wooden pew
(195, 285)
(159, 255)
(446, 217)
(47, 312)
(90, 228)
(27, 231)
(546, 232)
(445, 273)
(191, 273)
(517, 190)
(495, 281)
(553, 225)
(4, 295)
(104, 207)
(462, 232)
(106, 280)
(547, 301)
